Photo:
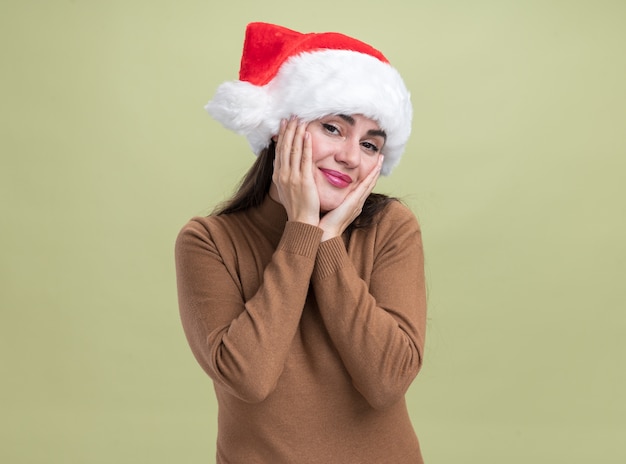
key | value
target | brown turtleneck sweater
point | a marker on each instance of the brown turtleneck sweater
(311, 346)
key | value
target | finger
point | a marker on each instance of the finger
(369, 181)
(307, 155)
(297, 146)
(362, 191)
(279, 141)
(285, 142)
(374, 174)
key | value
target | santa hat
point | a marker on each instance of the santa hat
(285, 73)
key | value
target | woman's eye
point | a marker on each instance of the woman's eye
(370, 146)
(330, 128)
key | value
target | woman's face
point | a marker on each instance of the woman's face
(345, 150)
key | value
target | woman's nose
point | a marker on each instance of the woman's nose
(349, 154)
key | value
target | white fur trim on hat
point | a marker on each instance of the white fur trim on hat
(312, 85)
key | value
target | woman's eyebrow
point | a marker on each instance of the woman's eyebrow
(349, 119)
(372, 132)
(377, 133)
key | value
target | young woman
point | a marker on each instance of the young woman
(303, 297)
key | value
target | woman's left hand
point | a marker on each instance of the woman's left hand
(335, 222)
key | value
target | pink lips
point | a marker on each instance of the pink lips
(336, 178)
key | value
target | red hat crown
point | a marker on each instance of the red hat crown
(267, 46)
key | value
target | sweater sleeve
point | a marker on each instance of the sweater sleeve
(243, 345)
(378, 329)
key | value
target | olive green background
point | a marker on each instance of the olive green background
(516, 170)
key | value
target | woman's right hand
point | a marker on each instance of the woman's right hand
(293, 173)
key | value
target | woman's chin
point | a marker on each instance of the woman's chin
(330, 204)
(331, 197)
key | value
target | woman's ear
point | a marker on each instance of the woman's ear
(274, 138)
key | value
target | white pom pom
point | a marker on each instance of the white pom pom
(239, 106)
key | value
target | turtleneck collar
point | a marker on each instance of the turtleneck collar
(271, 216)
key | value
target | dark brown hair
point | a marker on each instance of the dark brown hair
(256, 183)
